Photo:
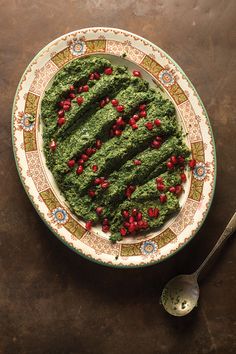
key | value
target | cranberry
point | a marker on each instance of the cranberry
(61, 121)
(135, 117)
(72, 95)
(94, 168)
(80, 100)
(120, 121)
(192, 163)
(71, 163)
(123, 231)
(120, 108)
(143, 114)
(98, 143)
(172, 189)
(136, 73)
(85, 88)
(134, 126)
(88, 225)
(108, 71)
(160, 187)
(79, 170)
(53, 145)
(105, 185)
(97, 75)
(163, 198)
(137, 162)
(91, 193)
(149, 125)
(61, 113)
(173, 159)
(105, 228)
(157, 122)
(114, 102)
(142, 107)
(178, 189)
(99, 210)
(169, 165)
(183, 177)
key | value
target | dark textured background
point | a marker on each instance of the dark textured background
(52, 300)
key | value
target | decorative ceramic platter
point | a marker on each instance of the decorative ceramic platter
(160, 70)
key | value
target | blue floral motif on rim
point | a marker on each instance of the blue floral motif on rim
(200, 171)
(60, 215)
(27, 122)
(77, 47)
(148, 247)
(166, 78)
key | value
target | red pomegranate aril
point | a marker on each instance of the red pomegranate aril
(85, 88)
(120, 108)
(97, 75)
(183, 177)
(102, 179)
(120, 121)
(105, 221)
(72, 95)
(61, 121)
(134, 212)
(89, 225)
(79, 170)
(129, 190)
(149, 125)
(142, 107)
(163, 198)
(132, 121)
(67, 101)
(94, 168)
(155, 212)
(145, 224)
(172, 189)
(126, 224)
(169, 165)
(135, 117)
(151, 212)
(105, 185)
(125, 213)
(66, 107)
(155, 144)
(105, 228)
(91, 76)
(98, 143)
(93, 150)
(89, 151)
(160, 187)
(181, 168)
(61, 113)
(159, 138)
(137, 162)
(80, 162)
(91, 193)
(80, 89)
(84, 157)
(108, 71)
(131, 219)
(181, 159)
(61, 104)
(114, 102)
(117, 132)
(53, 145)
(140, 224)
(97, 181)
(80, 100)
(102, 103)
(131, 228)
(123, 231)
(143, 114)
(99, 210)
(159, 180)
(139, 216)
(72, 88)
(192, 163)
(157, 122)
(107, 100)
(178, 189)
(136, 73)
(71, 163)
(134, 126)
(173, 159)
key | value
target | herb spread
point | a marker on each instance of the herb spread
(114, 147)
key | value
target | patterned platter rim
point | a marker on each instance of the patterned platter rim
(39, 185)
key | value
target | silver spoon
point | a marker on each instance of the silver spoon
(180, 295)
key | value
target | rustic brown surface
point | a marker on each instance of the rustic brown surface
(54, 301)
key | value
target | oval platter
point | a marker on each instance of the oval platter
(161, 71)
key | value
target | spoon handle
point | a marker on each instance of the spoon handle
(229, 230)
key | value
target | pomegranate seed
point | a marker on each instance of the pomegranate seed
(136, 73)
(140, 224)
(160, 186)
(131, 228)
(94, 168)
(169, 165)
(61, 104)
(72, 95)
(79, 170)
(172, 189)
(155, 212)
(91, 193)
(108, 71)
(139, 216)
(159, 138)
(117, 132)
(120, 108)
(149, 125)
(137, 162)
(53, 145)
(102, 103)
(178, 189)
(80, 89)
(61, 121)
(181, 168)
(120, 122)
(132, 121)
(105, 221)
(163, 198)
(98, 143)
(107, 100)
(80, 100)
(84, 157)
(192, 163)
(151, 212)
(89, 151)
(105, 185)
(134, 212)
(125, 213)
(135, 117)
(143, 114)
(85, 88)
(181, 159)
(145, 224)
(102, 179)
(155, 144)
(97, 181)
(71, 163)
(134, 126)
(114, 102)
(72, 88)
(105, 228)
(67, 101)
(183, 177)
(126, 224)
(61, 113)
(123, 231)
(93, 150)
(80, 162)
(173, 159)
(97, 75)
(142, 107)
(88, 225)
(157, 122)
(99, 210)
(159, 180)
(91, 76)
(131, 219)
(114, 127)
(129, 190)
(66, 107)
